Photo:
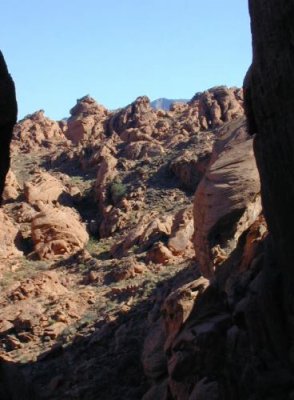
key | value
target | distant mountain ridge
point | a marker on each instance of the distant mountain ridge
(164, 104)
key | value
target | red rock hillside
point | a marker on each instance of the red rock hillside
(98, 229)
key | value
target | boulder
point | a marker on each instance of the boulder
(24, 212)
(58, 233)
(178, 306)
(8, 237)
(45, 188)
(159, 254)
(152, 229)
(180, 240)
(87, 120)
(12, 188)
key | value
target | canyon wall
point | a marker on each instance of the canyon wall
(269, 103)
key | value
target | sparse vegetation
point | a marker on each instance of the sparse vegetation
(117, 190)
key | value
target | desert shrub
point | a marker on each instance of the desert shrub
(117, 191)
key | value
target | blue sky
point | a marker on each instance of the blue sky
(117, 50)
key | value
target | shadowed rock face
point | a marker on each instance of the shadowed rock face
(8, 116)
(269, 103)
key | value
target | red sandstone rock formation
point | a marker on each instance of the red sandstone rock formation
(8, 237)
(57, 233)
(44, 188)
(87, 121)
(227, 200)
(36, 132)
(12, 188)
(138, 115)
(218, 105)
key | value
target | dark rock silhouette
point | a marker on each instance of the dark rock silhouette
(8, 116)
(269, 101)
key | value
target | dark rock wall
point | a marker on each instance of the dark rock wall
(270, 103)
(8, 116)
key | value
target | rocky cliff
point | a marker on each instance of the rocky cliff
(269, 101)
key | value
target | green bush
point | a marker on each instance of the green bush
(117, 191)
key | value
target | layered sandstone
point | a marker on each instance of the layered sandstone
(227, 200)
(57, 232)
(44, 188)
